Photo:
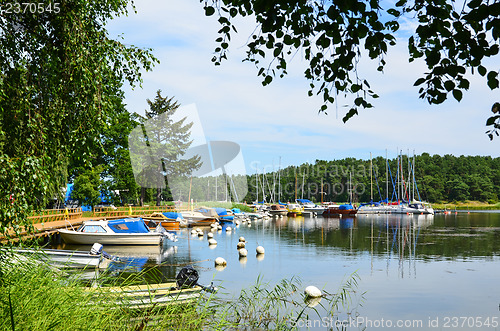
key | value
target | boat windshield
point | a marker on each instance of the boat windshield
(93, 229)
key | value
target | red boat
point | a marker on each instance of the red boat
(346, 209)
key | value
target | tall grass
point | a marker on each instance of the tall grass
(34, 296)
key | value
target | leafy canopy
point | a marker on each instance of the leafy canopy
(452, 37)
(60, 75)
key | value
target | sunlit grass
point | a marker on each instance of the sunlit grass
(35, 296)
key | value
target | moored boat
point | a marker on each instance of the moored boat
(125, 231)
(224, 215)
(294, 209)
(278, 209)
(345, 209)
(62, 258)
(169, 220)
(310, 206)
(201, 217)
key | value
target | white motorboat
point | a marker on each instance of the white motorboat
(61, 258)
(125, 231)
(310, 206)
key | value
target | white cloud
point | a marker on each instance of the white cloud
(280, 119)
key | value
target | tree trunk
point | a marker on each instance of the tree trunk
(158, 196)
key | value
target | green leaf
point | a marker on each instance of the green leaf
(492, 120)
(457, 94)
(209, 11)
(419, 81)
(355, 88)
(350, 113)
(481, 70)
(449, 85)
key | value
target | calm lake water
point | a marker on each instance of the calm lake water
(418, 272)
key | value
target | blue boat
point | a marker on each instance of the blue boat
(224, 216)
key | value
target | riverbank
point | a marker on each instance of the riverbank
(466, 205)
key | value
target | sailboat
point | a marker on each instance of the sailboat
(372, 207)
(415, 206)
(345, 209)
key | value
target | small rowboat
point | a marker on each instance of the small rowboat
(169, 220)
(148, 295)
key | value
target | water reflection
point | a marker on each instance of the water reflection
(410, 265)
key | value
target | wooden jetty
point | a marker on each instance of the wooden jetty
(49, 221)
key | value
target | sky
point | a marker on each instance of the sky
(279, 125)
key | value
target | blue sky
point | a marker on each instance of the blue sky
(280, 120)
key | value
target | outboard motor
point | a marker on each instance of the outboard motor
(97, 250)
(187, 277)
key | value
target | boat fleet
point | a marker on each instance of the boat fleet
(305, 207)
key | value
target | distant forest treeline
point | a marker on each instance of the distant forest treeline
(438, 178)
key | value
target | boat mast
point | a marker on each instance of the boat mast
(295, 184)
(413, 168)
(257, 186)
(303, 177)
(409, 176)
(386, 178)
(279, 181)
(350, 188)
(371, 178)
(321, 190)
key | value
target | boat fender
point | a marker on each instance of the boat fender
(243, 252)
(220, 261)
(313, 292)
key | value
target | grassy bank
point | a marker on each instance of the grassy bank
(466, 205)
(34, 296)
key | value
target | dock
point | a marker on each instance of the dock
(47, 222)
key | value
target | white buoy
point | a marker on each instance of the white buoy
(243, 252)
(260, 250)
(241, 239)
(212, 241)
(220, 261)
(240, 245)
(228, 229)
(313, 292)
(213, 225)
(210, 235)
(200, 233)
(219, 227)
(194, 232)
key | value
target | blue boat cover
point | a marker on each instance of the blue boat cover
(236, 210)
(304, 201)
(221, 211)
(172, 215)
(346, 207)
(128, 226)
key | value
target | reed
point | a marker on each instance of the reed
(34, 296)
